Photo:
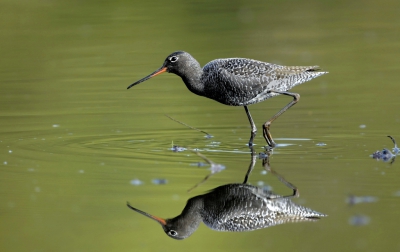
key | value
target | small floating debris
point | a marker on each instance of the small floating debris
(386, 155)
(199, 164)
(56, 125)
(158, 181)
(136, 182)
(208, 136)
(362, 126)
(359, 220)
(397, 194)
(214, 168)
(353, 200)
(176, 148)
(267, 188)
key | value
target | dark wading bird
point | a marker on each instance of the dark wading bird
(238, 82)
(236, 208)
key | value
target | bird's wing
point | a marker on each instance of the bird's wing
(247, 69)
(239, 81)
(261, 72)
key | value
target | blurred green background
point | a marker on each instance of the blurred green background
(72, 138)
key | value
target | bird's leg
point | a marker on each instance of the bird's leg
(282, 179)
(266, 125)
(251, 166)
(253, 126)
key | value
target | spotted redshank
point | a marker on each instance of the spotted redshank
(238, 82)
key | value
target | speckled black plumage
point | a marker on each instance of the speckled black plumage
(237, 81)
(236, 208)
(240, 82)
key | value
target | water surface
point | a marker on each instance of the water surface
(72, 138)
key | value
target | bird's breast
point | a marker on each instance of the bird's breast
(230, 91)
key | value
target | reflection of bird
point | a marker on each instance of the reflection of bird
(238, 82)
(234, 207)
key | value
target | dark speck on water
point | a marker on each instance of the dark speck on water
(158, 181)
(199, 164)
(176, 148)
(359, 220)
(353, 200)
(386, 155)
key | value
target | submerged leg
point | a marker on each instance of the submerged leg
(251, 166)
(282, 179)
(266, 125)
(253, 126)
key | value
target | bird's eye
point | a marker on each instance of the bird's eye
(172, 233)
(173, 59)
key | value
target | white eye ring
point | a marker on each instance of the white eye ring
(172, 233)
(173, 58)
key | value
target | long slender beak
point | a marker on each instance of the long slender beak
(158, 219)
(157, 72)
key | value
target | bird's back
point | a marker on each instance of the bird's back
(239, 81)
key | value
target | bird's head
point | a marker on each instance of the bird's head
(176, 228)
(180, 63)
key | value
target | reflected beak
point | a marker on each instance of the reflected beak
(159, 71)
(158, 219)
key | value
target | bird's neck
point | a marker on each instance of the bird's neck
(192, 78)
(190, 217)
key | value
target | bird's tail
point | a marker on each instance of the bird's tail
(301, 74)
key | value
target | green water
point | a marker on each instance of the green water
(72, 138)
